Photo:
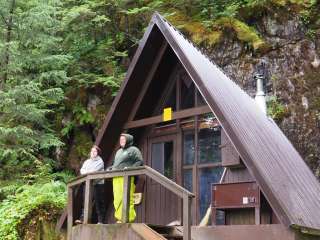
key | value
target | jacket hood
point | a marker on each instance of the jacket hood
(129, 139)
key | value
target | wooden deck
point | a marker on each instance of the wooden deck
(115, 232)
(86, 230)
(140, 231)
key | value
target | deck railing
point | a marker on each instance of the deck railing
(184, 194)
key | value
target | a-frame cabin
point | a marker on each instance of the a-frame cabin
(196, 127)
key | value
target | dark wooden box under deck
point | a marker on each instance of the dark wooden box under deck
(236, 196)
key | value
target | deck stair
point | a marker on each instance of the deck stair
(168, 232)
(134, 231)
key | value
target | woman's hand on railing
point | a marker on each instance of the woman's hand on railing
(109, 168)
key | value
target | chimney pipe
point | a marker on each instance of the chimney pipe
(260, 97)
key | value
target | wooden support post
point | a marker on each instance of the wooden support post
(257, 215)
(70, 213)
(214, 216)
(126, 199)
(87, 202)
(186, 217)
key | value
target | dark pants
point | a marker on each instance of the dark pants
(98, 198)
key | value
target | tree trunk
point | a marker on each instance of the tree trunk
(9, 26)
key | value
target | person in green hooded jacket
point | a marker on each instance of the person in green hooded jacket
(127, 156)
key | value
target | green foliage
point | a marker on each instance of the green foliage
(24, 127)
(28, 198)
(275, 109)
(32, 75)
(42, 189)
(82, 115)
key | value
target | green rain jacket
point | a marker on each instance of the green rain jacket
(129, 156)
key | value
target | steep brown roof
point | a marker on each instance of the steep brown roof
(285, 179)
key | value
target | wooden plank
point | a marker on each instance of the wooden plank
(146, 232)
(257, 215)
(61, 220)
(77, 181)
(186, 217)
(107, 174)
(70, 213)
(88, 202)
(143, 122)
(118, 173)
(175, 115)
(126, 199)
(179, 170)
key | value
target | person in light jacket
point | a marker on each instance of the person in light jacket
(126, 157)
(95, 164)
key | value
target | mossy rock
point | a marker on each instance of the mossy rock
(196, 30)
(244, 32)
(200, 34)
(40, 225)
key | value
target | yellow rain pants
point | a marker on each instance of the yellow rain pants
(117, 198)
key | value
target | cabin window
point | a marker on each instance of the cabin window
(189, 148)
(187, 179)
(209, 136)
(200, 99)
(171, 100)
(209, 142)
(187, 93)
(207, 176)
(162, 158)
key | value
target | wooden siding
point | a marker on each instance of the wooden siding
(237, 175)
(229, 155)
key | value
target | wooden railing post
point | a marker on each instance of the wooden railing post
(257, 215)
(87, 202)
(70, 213)
(186, 217)
(126, 199)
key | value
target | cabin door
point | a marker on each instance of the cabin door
(161, 204)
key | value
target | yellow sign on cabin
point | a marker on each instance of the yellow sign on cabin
(167, 114)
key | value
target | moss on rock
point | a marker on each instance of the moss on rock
(196, 30)
(244, 32)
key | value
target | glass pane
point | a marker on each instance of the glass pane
(207, 176)
(171, 100)
(187, 123)
(168, 160)
(209, 145)
(187, 179)
(162, 158)
(188, 148)
(208, 120)
(200, 100)
(187, 93)
(157, 157)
